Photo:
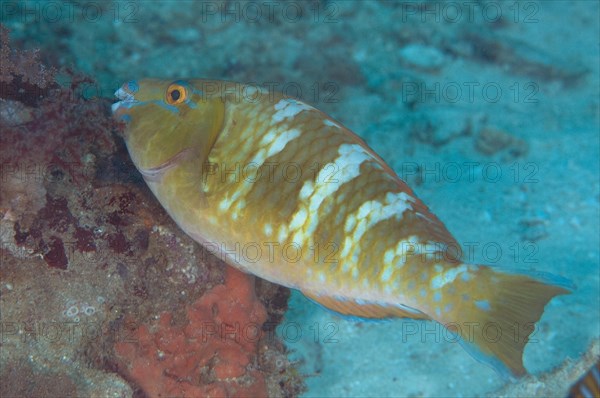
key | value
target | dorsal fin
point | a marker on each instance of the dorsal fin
(367, 310)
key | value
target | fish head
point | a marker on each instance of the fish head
(167, 123)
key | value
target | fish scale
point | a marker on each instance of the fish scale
(364, 244)
(288, 199)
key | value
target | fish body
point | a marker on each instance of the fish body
(281, 190)
(588, 386)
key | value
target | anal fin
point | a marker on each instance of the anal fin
(364, 309)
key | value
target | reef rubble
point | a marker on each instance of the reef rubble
(89, 259)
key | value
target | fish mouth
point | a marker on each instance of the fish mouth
(154, 174)
(126, 94)
(127, 100)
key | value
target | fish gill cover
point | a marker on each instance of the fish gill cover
(488, 110)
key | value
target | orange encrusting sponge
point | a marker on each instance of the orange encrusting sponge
(213, 355)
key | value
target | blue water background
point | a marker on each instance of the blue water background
(420, 82)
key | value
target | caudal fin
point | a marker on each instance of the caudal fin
(505, 307)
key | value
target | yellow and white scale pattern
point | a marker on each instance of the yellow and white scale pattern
(362, 233)
(272, 172)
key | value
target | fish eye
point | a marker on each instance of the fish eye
(176, 94)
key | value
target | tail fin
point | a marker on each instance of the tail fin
(506, 308)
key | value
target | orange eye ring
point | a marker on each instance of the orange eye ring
(176, 94)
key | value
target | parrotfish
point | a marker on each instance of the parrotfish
(588, 386)
(285, 192)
